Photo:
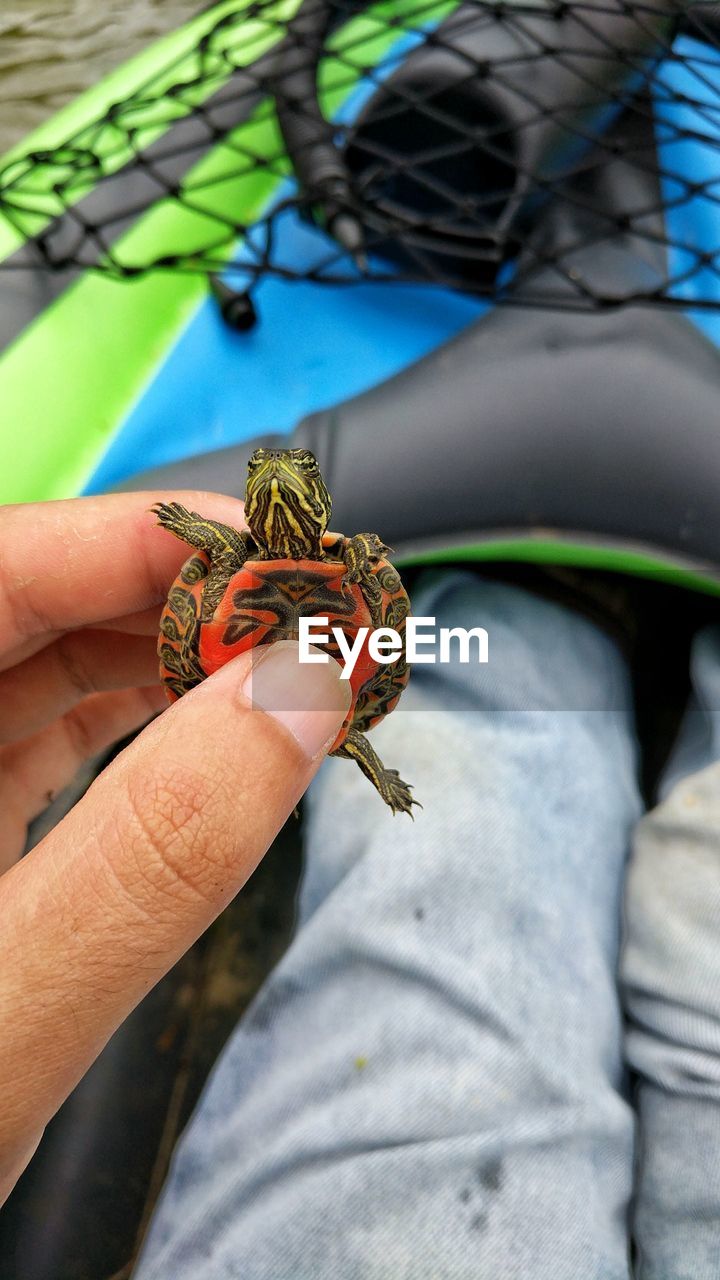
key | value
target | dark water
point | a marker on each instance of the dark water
(51, 50)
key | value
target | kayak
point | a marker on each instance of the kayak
(115, 375)
(85, 401)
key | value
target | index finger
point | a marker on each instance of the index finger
(80, 561)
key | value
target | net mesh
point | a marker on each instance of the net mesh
(564, 154)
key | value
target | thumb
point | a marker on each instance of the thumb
(162, 841)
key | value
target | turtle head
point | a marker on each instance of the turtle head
(287, 506)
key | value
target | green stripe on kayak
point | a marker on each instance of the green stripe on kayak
(85, 132)
(73, 375)
(558, 550)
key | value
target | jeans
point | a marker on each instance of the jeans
(437, 1082)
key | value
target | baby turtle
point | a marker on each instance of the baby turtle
(242, 589)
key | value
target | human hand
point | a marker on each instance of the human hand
(99, 910)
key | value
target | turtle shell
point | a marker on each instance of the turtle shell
(262, 603)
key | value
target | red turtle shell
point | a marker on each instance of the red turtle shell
(263, 602)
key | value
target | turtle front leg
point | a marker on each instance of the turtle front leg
(388, 782)
(226, 548)
(361, 554)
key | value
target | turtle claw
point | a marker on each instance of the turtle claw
(176, 518)
(396, 793)
(387, 782)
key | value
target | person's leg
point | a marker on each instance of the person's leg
(430, 1084)
(671, 982)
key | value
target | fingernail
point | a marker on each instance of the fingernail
(309, 699)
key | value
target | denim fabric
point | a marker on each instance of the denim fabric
(671, 983)
(431, 1084)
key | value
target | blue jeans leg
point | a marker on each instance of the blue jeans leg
(671, 980)
(430, 1086)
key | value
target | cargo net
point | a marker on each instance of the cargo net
(564, 154)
